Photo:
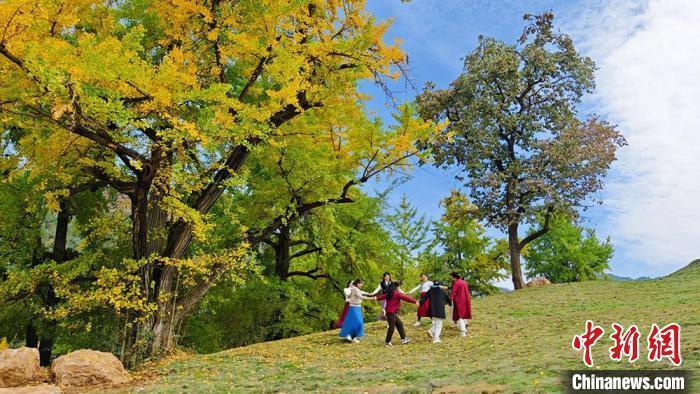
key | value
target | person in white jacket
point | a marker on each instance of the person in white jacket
(423, 286)
(346, 294)
(354, 325)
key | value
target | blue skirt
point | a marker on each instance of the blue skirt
(353, 325)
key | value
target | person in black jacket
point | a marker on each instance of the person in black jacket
(436, 311)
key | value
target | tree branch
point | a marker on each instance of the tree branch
(305, 252)
(119, 185)
(19, 63)
(540, 232)
(309, 274)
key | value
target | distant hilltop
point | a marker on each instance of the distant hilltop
(695, 264)
(627, 278)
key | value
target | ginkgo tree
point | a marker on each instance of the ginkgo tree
(35, 226)
(171, 99)
(314, 169)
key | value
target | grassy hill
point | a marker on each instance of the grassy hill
(518, 342)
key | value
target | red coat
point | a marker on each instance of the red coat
(461, 300)
(392, 305)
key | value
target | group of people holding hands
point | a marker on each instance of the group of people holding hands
(431, 304)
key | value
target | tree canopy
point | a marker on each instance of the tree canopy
(568, 253)
(168, 104)
(515, 132)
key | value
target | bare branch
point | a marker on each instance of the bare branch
(542, 231)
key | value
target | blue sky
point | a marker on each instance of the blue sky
(648, 52)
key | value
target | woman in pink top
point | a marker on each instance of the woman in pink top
(393, 298)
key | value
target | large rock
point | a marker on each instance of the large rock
(88, 368)
(40, 389)
(18, 366)
(537, 282)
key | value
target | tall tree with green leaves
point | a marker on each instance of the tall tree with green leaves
(516, 134)
(411, 233)
(171, 100)
(347, 242)
(460, 244)
(36, 226)
(568, 253)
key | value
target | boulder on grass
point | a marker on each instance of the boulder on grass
(537, 282)
(18, 367)
(40, 389)
(88, 368)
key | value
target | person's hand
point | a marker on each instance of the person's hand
(418, 303)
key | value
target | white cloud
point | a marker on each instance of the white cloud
(649, 84)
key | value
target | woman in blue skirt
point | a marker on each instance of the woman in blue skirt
(354, 325)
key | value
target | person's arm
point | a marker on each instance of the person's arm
(359, 294)
(407, 298)
(448, 301)
(377, 290)
(380, 297)
(413, 290)
(454, 292)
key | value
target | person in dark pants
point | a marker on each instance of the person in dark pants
(393, 299)
(436, 298)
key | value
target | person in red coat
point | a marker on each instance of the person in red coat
(461, 303)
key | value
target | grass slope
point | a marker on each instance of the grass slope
(518, 342)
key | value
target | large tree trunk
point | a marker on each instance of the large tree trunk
(31, 339)
(514, 250)
(149, 235)
(282, 257)
(173, 240)
(44, 340)
(171, 313)
(164, 328)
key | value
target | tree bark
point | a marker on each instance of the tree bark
(282, 256)
(139, 219)
(44, 340)
(61, 235)
(31, 339)
(514, 250)
(164, 326)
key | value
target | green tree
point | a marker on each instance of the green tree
(515, 132)
(170, 100)
(410, 232)
(460, 244)
(39, 229)
(568, 253)
(348, 241)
